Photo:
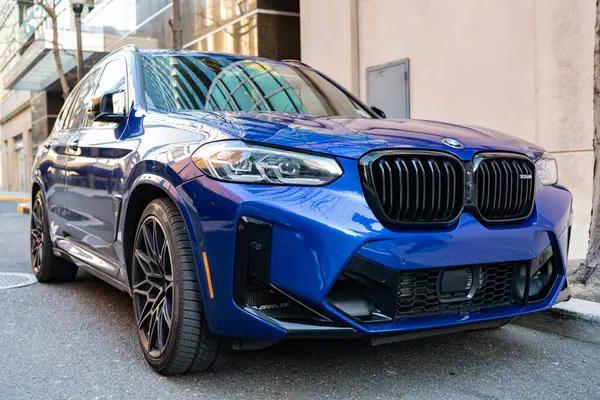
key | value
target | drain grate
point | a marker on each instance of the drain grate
(9, 280)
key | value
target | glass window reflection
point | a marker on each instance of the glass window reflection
(230, 83)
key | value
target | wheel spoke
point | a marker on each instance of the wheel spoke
(146, 312)
(36, 260)
(37, 214)
(164, 249)
(152, 331)
(148, 240)
(145, 263)
(36, 233)
(159, 328)
(137, 288)
(166, 314)
(152, 285)
(155, 248)
(36, 247)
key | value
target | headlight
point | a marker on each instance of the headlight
(236, 161)
(547, 169)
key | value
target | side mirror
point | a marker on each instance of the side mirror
(378, 111)
(110, 107)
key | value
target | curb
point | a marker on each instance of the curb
(16, 199)
(24, 208)
(579, 309)
(575, 319)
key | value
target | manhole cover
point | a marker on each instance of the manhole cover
(9, 280)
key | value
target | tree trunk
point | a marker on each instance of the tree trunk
(175, 23)
(589, 270)
(61, 72)
(51, 12)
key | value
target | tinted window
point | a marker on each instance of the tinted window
(81, 102)
(64, 112)
(113, 78)
(68, 108)
(229, 83)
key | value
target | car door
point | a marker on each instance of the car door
(91, 167)
(52, 161)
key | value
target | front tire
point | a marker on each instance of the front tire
(167, 301)
(46, 266)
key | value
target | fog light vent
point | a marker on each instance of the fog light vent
(261, 296)
(535, 279)
(365, 291)
(252, 288)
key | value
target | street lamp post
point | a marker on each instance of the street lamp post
(77, 6)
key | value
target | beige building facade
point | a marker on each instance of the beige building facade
(15, 142)
(31, 96)
(524, 67)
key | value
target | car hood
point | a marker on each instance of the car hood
(353, 137)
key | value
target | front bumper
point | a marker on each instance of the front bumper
(317, 231)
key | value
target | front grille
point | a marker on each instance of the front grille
(505, 188)
(420, 187)
(418, 291)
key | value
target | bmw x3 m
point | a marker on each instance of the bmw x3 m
(241, 201)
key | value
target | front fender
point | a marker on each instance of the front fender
(195, 238)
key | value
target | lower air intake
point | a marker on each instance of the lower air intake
(484, 286)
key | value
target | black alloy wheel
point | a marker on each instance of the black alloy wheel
(167, 300)
(37, 234)
(46, 266)
(152, 282)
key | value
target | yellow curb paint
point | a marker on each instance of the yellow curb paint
(17, 199)
(23, 208)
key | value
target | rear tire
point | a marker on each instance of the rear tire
(46, 266)
(167, 300)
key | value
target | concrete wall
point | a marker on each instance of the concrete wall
(524, 67)
(19, 124)
(329, 39)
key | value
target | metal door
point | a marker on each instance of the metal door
(388, 88)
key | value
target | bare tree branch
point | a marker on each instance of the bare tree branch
(51, 12)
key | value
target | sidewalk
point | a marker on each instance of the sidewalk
(20, 197)
(580, 309)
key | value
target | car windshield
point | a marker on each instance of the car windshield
(228, 83)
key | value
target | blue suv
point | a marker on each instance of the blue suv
(241, 201)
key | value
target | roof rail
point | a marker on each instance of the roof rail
(297, 62)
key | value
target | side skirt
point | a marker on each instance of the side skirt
(85, 262)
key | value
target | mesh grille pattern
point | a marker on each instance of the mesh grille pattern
(418, 291)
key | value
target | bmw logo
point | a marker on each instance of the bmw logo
(455, 144)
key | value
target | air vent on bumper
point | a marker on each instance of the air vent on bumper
(370, 292)
(252, 288)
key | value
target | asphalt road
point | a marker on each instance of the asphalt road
(78, 341)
